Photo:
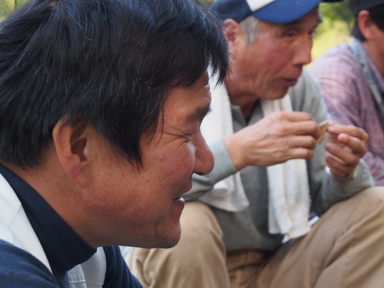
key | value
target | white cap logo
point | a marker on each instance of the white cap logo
(255, 5)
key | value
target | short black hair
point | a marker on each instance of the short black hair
(109, 62)
(377, 16)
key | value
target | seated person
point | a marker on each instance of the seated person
(354, 95)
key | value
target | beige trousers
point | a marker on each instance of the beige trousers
(345, 248)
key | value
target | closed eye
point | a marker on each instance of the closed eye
(188, 137)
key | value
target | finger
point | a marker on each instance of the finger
(331, 137)
(301, 141)
(356, 145)
(296, 116)
(345, 156)
(308, 127)
(301, 153)
(351, 130)
(338, 167)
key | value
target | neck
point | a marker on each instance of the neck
(53, 184)
(376, 55)
(237, 97)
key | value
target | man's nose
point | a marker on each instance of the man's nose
(302, 55)
(204, 160)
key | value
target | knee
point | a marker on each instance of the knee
(364, 206)
(373, 194)
(375, 190)
(370, 203)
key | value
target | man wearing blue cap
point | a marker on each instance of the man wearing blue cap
(267, 113)
(351, 77)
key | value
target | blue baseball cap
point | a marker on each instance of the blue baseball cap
(275, 11)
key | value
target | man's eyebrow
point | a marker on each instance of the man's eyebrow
(199, 114)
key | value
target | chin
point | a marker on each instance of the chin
(169, 243)
(281, 93)
(169, 238)
(275, 93)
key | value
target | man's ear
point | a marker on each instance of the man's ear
(366, 25)
(231, 31)
(70, 143)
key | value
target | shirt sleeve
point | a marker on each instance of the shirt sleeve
(222, 169)
(19, 268)
(326, 190)
(376, 166)
(341, 94)
(118, 274)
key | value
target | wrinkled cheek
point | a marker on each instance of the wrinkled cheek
(182, 166)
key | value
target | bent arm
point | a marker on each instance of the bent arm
(326, 190)
(342, 105)
(376, 166)
(344, 92)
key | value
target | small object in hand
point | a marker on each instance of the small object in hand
(323, 126)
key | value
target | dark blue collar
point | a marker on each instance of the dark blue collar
(62, 246)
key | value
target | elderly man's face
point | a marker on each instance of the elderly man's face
(272, 63)
(142, 208)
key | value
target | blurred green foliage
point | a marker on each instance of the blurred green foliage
(8, 6)
(335, 28)
(337, 12)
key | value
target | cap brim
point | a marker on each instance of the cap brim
(285, 11)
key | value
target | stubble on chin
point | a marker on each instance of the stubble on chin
(165, 240)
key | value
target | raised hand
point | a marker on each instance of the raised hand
(275, 139)
(345, 146)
